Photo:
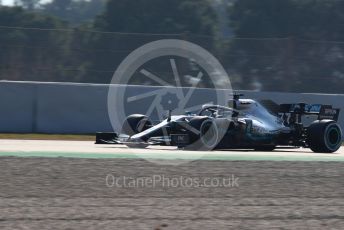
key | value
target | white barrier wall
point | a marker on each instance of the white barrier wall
(35, 107)
(29, 107)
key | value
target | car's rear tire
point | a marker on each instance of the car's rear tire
(324, 136)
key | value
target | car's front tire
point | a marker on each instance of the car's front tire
(324, 136)
(209, 133)
(134, 124)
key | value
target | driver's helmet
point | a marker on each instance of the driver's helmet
(244, 104)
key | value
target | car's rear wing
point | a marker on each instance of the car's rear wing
(322, 111)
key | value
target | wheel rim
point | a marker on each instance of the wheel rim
(333, 137)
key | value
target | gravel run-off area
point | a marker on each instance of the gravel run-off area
(71, 193)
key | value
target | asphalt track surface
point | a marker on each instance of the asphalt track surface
(70, 185)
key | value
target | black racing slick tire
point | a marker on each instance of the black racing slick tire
(135, 123)
(193, 131)
(195, 123)
(324, 136)
(209, 134)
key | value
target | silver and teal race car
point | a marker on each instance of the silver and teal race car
(243, 124)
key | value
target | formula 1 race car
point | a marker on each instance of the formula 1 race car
(243, 124)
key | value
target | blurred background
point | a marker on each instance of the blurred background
(265, 45)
